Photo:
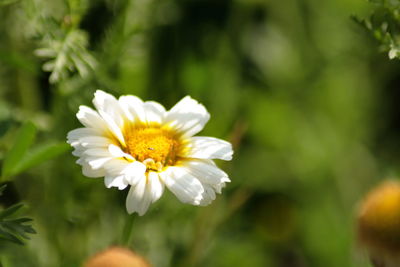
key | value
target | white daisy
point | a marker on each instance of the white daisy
(140, 144)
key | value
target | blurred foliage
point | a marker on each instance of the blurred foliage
(14, 230)
(66, 55)
(384, 25)
(296, 86)
(18, 159)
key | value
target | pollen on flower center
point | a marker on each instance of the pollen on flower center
(155, 147)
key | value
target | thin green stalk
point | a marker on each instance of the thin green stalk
(127, 232)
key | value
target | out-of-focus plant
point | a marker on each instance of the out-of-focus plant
(61, 43)
(18, 158)
(384, 25)
(7, 2)
(14, 229)
(66, 53)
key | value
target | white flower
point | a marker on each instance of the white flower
(140, 144)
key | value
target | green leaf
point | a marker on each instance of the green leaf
(9, 237)
(23, 220)
(23, 140)
(9, 211)
(15, 229)
(40, 154)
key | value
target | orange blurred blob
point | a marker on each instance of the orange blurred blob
(116, 257)
(378, 224)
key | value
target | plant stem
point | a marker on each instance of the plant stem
(127, 232)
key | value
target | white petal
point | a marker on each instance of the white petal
(88, 171)
(94, 142)
(97, 162)
(156, 186)
(218, 187)
(133, 108)
(208, 148)
(116, 166)
(212, 178)
(107, 104)
(96, 158)
(139, 198)
(97, 152)
(111, 112)
(154, 112)
(117, 152)
(103, 124)
(79, 133)
(91, 119)
(208, 195)
(187, 117)
(118, 181)
(184, 185)
(133, 172)
(78, 151)
(113, 127)
(84, 138)
(205, 171)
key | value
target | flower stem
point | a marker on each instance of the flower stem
(127, 232)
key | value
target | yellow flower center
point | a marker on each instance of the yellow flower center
(155, 147)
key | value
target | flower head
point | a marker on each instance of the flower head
(140, 144)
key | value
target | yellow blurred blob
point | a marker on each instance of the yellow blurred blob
(116, 257)
(378, 224)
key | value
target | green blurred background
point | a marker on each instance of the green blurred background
(300, 89)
